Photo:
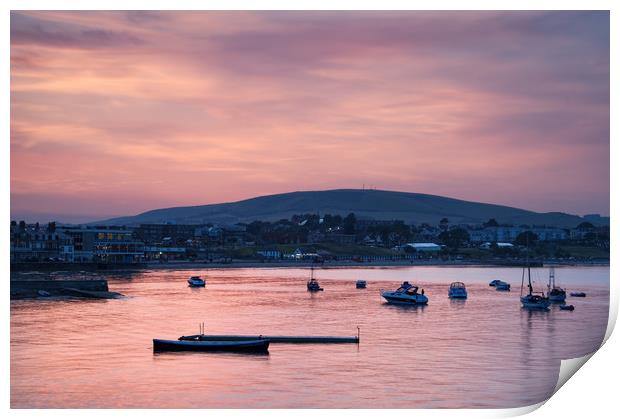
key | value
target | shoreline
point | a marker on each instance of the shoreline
(349, 264)
(339, 264)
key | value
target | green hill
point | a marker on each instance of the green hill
(376, 204)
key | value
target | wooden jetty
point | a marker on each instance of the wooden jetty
(275, 339)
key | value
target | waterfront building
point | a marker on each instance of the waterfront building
(34, 243)
(105, 245)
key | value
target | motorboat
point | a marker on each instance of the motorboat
(533, 301)
(554, 292)
(313, 284)
(405, 294)
(196, 281)
(457, 290)
(567, 307)
(502, 286)
(251, 346)
(494, 283)
(578, 294)
(360, 283)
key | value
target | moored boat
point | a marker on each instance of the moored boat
(405, 294)
(555, 293)
(252, 346)
(457, 290)
(360, 283)
(578, 294)
(313, 284)
(502, 286)
(531, 300)
(196, 281)
(494, 283)
(567, 307)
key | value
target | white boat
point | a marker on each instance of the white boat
(531, 300)
(555, 293)
(313, 284)
(405, 294)
(502, 286)
(196, 281)
(457, 290)
(360, 283)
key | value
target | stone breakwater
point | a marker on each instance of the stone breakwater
(93, 288)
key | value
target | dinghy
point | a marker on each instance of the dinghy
(196, 281)
(502, 286)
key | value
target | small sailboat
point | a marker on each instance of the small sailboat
(405, 294)
(555, 293)
(532, 301)
(360, 283)
(457, 290)
(196, 281)
(313, 284)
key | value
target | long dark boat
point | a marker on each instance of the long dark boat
(250, 346)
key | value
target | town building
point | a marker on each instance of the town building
(269, 254)
(104, 245)
(330, 237)
(155, 233)
(508, 234)
(34, 243)
(422, 247)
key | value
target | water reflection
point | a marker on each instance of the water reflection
(458, 303)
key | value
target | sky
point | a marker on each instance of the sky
(116, 113)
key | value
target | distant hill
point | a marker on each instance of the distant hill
(374, 204)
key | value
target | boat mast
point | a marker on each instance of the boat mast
(552, 276)
(551, 284)
(527, 260)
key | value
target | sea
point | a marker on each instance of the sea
(483, 352)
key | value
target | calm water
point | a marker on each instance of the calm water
(483, 352)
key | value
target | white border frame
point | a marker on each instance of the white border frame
(593, 393)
